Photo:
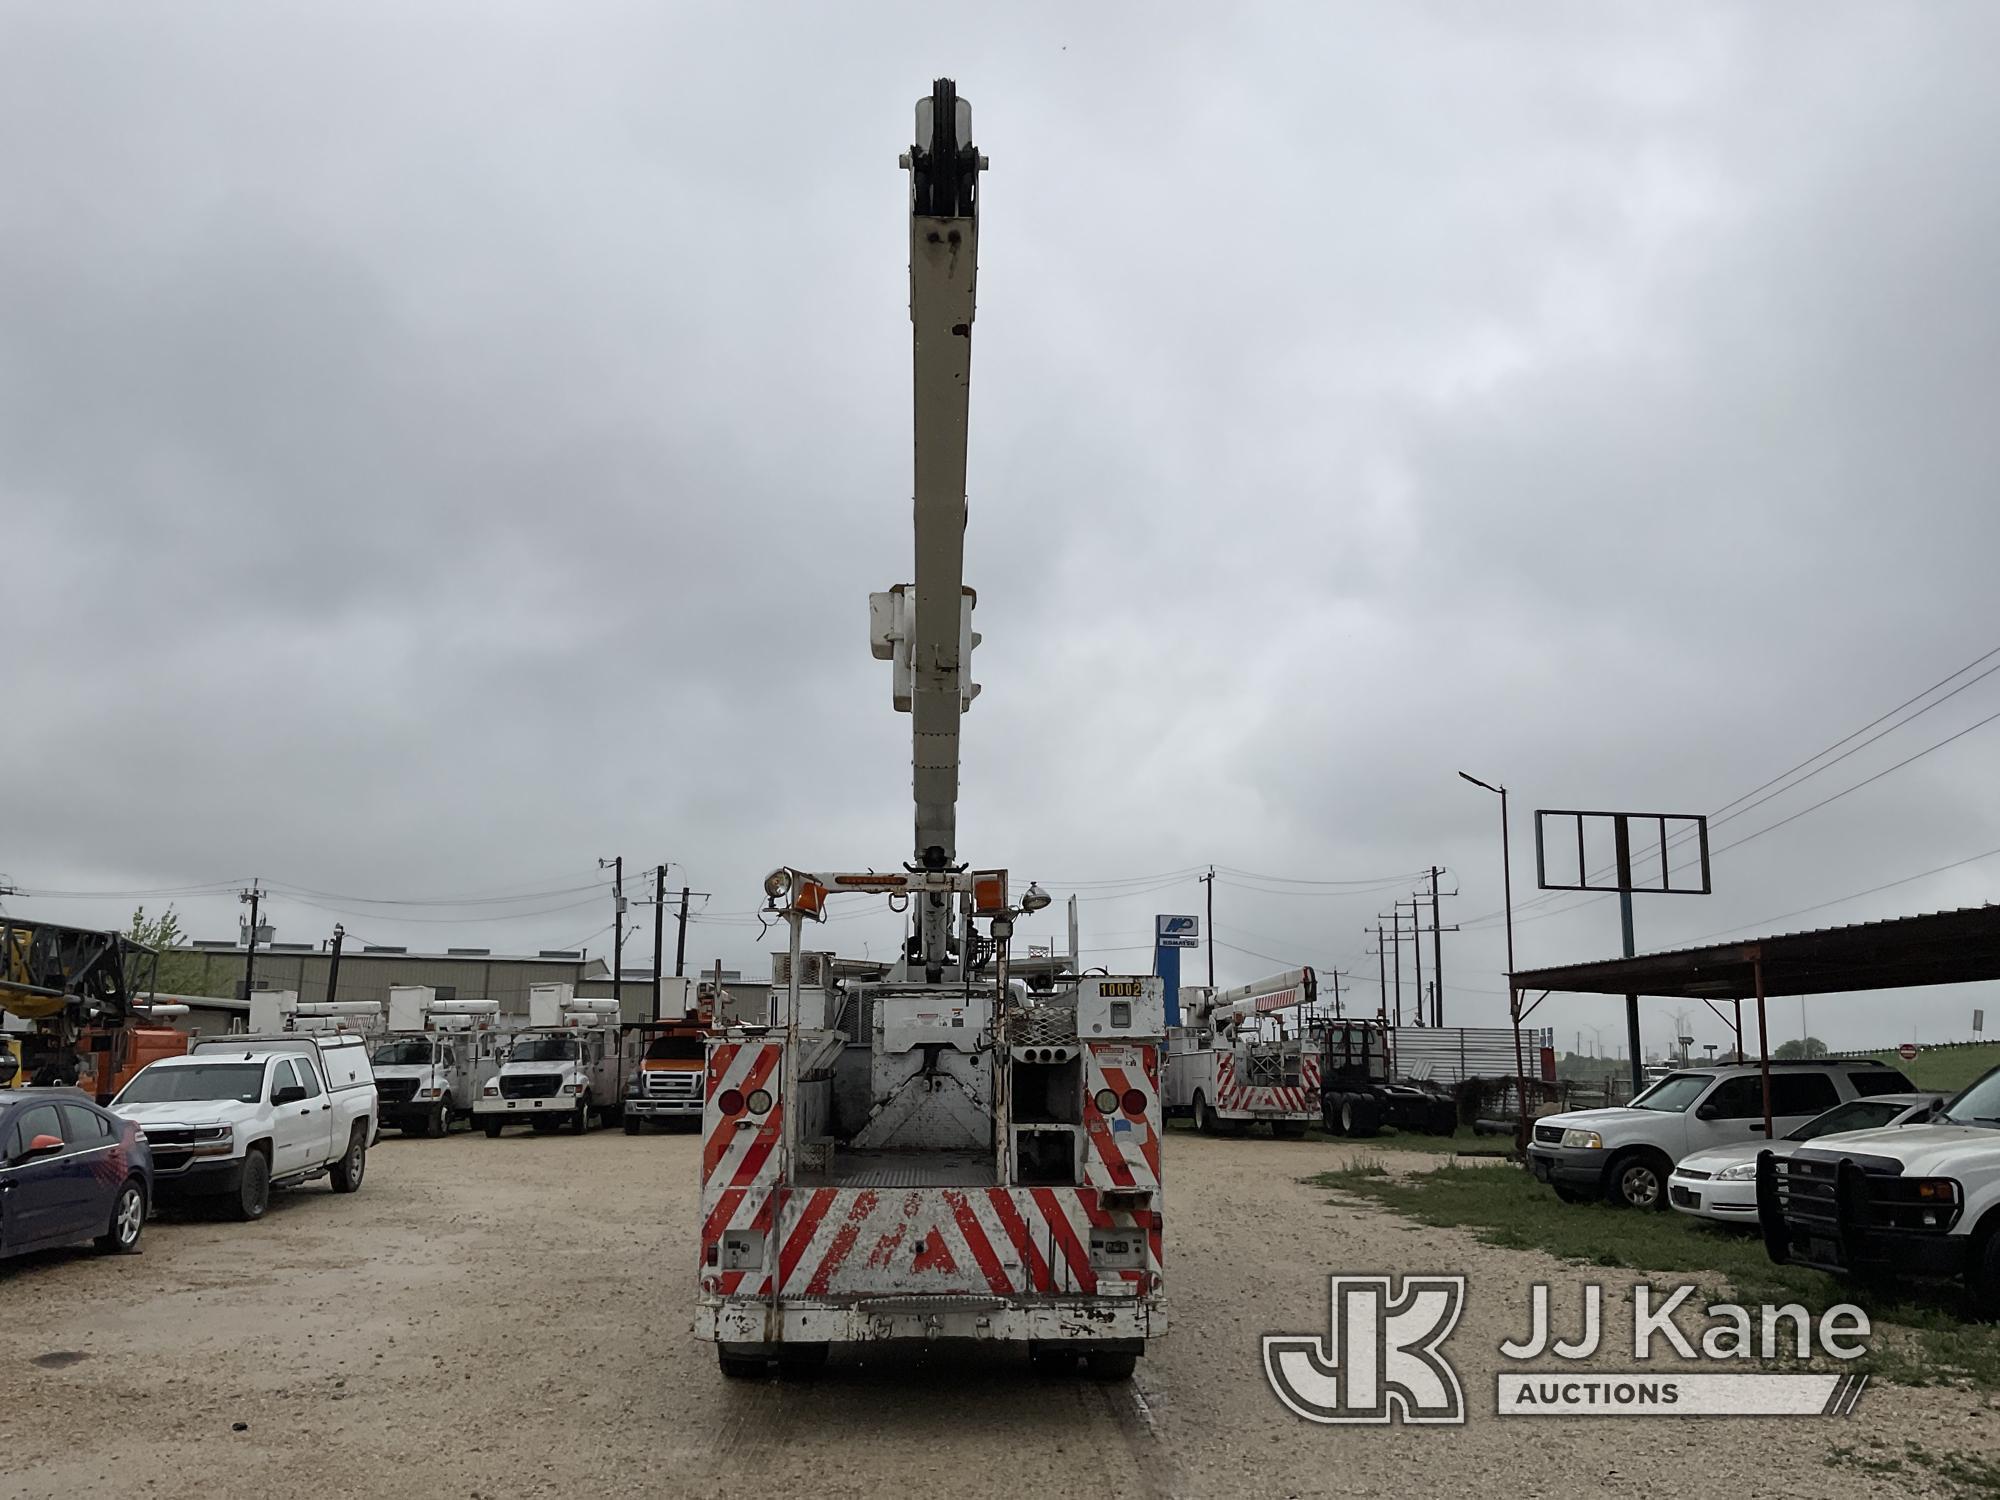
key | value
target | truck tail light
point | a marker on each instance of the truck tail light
(759, 1101)
(1106, 1101)
(1134, 1102)
(730, 1101)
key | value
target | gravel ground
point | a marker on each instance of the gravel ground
(503, 1318)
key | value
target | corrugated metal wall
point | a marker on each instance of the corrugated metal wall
(1451, 1054)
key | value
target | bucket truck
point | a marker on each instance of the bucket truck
(932, 1148)
(436, 1059)
(1236, 1062)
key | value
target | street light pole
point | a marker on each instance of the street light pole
(1513, 994)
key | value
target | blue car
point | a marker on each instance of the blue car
(70, 1171)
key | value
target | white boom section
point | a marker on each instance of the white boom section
(926, 628)
(1279, 992)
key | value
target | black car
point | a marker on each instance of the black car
(70, 1171)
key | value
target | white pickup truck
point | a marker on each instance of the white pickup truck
(1901, 1202)
(239, 1115)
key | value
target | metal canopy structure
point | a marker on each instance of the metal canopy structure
(1945, 947)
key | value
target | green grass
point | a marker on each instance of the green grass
(1967, 1474)
(1921, 1337)
(1946, 1069)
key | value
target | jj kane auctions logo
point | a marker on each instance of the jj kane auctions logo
(1382, 1360)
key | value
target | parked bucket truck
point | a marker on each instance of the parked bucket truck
(931, 1149)
(1237, 1062)
(567, 1068)
(437, 1057)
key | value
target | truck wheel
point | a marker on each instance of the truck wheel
(1638, 1179)
(128, 1220)
(438, 1121)
(1358, 1116)
(253, 1190)
(632, 1123)
(493, 1128)
(741, 1366)
(1332, 1111)
(1982, 1278)
(1102, 1365)
(353, 1164)
(580, 1121)
(1204, 1122)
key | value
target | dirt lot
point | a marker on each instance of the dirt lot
(502, 1318)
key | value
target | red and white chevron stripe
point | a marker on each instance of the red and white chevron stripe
(847, 1242)
(1264, 1099)
(1124, 1146)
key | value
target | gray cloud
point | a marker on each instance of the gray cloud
(443, 447)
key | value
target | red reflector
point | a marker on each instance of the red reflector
(1134, 1102)
(730, 1102)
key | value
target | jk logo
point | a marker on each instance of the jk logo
(1381, 1361)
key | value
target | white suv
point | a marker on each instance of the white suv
(1624, 1155)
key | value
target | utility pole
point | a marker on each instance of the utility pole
(1209, 881)
(333, 964)
(254, 897)
(659, 931)
(617, 931)
(1382, 971)
(1395, 941)
(1336, 995)
(1417, 954)
(681, 936)
(1437, 953)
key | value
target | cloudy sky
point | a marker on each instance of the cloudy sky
(445, 445)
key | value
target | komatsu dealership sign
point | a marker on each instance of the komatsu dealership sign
(1382, 1359)
(1177, 932)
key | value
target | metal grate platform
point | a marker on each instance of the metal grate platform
(904, 1169)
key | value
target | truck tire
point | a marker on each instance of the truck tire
(1204, 1122)
(1101, 1364)
(438, 1122)
(580, 1121)
(738, 1366)
(1638, 1179)
(493, 1128)
(632, 1124)
(1332, 1112)
(1982, 1278)
(253, 1188)
(1360, 1116)
(128, 1220)
(353, 1164)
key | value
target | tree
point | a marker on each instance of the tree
(178, 973)
(1810, 1046)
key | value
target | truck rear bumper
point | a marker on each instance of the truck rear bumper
(1080, 1320)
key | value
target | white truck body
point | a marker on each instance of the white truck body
(305, 1104)
(1904, 1201)
(1236, 1063)
(568, 1068)
(436, 1058)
